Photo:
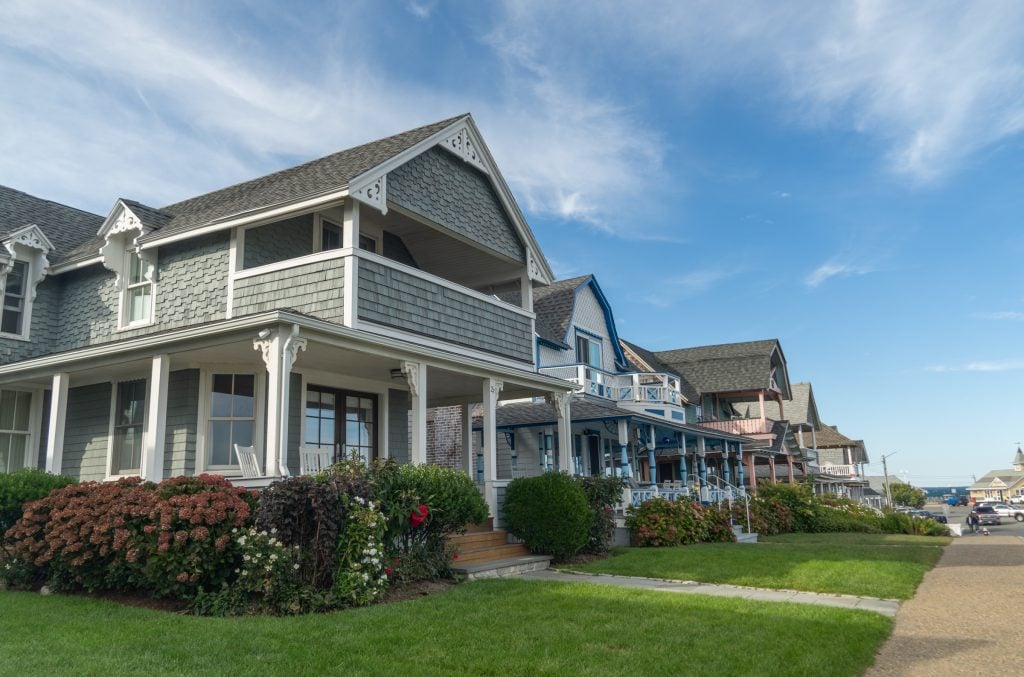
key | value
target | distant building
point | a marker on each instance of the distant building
(1001, 485)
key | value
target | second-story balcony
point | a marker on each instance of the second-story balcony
(839, 470)
(635, 387)
(741, 426)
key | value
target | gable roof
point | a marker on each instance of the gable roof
(553, 306)
(1007, 477)
(65, 227)
(728, 367)
(801, 409)
(642, 359)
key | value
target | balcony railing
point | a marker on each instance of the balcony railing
(838, 470)
(641, 387)
(740, 426)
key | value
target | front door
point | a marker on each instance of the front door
(342, 420)
(594, 454)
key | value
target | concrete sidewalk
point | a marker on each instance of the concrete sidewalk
(887, 607)
(965, 618)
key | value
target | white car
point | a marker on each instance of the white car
(1004, 510)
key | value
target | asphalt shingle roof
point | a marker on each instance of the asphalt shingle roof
(801, 409)
(553, 305)
(66, 227)
(724, 368)
(650, 362)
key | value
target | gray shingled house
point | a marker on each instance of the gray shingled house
(630, 415)
(325, 306)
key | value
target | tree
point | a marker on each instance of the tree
(904, 494)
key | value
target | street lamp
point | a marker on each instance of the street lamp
(885, 469)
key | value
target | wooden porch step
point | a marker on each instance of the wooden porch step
(479, 539)
(486, 525)
(490, 554)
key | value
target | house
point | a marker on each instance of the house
(743, 387)
(1001, 485)
(630, 415)
(325, 306)
(827, 475)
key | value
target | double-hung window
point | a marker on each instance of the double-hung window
(588, 351)
(15, 434)
(232, 418)
(13, 318)
(138, 292)
(129, 426)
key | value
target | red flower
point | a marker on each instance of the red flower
(387, 570)
(419, 515)
(455, 555)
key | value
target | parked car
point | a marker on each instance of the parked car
(1005, 510)
(987, 515)
(961, 500)
(931, 516)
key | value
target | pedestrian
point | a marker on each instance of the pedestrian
(972, 522)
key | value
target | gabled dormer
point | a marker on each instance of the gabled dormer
(135, 269)
(23, 265)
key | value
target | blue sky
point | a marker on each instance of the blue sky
(846, 177)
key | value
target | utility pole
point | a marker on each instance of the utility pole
(885, 469)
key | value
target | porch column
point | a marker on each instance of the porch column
(652, 466)
(279, 353)
(701, 453)
(771, 469)
(562, 402)
(682, 458)
(789, 464)
(467, 440)
(623, 443)
(752, 468)
(726, 471)
(416, 377)
(491, 389)
(58, 415)
(739, 466)
(760, 401)
(156, 421)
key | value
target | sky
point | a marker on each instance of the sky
(845, 177)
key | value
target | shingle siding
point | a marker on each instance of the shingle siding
(454, 194)
(182, 423)
(395, 298)
(295, 406)
(87, 432)
(398, 425)
(278, 241)
(314, 289)
(43, 325)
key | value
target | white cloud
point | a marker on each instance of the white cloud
(421, 10)
(831, 269)
(983, 366)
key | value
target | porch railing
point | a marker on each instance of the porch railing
(740, 426)
(839, 470)
(641, 387)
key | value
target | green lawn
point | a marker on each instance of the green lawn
(480, 628)
(869, 565)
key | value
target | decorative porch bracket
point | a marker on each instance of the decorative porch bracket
(279, 354)
(416, 378)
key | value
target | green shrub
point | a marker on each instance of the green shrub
(798, 498)
(549, 513)
(20, 487)
(768, 516)
(603, 493)
(661, 522)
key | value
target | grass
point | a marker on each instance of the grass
(481, 628)
(868, 565)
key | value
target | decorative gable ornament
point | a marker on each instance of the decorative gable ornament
(27, 244)
(372, 191)
(121, 231)
(462, 143)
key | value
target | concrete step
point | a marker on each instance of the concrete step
(512, 566)
(746, 538)
(497, 552)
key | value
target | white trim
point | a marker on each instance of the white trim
(75, 265)
(255, 217)
(27, 297)
(454, 286)
(203, 422)
(425, 341)
(349, 297)
(58, 418)
(154, 439)
(290, 263)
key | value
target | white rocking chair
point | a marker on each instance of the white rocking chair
(313, 460)
(247, 461)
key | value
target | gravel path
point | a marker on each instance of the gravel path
(965, 618)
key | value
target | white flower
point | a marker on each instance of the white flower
(295, 566)
(273, 530)
(268, 568)
(246, 557)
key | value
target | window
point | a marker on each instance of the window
(588, 351)
(232, 418)
(342, 420)
(367, 243)
(330, 236)
(15, 438)
(138, 306)
(14, 299)
(129, 425)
